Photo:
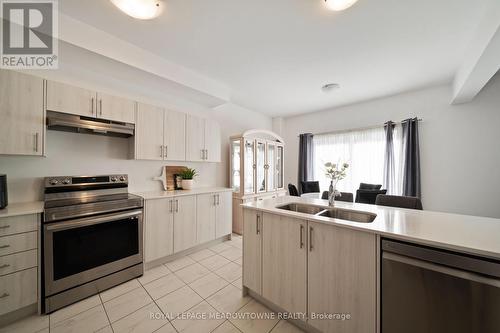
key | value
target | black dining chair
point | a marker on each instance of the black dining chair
(292, 190)
(399, 201)
(344, 196)
(310, 186)
(367, 193)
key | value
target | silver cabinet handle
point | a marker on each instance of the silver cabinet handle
(35, 144)
(311, 239)
(4, 246)
(166, 151)
(92, 106)
(215, 199)
(4, 295)
(218, 200)
(257, 225)
(206, 154)
(202, 151)
(4, 266)
(176, 206)
(170, 203)
(301, 245)
(5, 227)
(100, 107)
(161, 151)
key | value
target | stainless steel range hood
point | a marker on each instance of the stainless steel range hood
(79, 124)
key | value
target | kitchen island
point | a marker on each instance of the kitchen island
(301, 256)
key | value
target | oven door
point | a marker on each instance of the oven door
(82, 250)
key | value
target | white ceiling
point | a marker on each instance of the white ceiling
(275, 55)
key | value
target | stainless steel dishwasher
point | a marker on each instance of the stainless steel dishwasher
(427, 290)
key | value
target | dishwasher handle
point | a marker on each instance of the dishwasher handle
(442, 269)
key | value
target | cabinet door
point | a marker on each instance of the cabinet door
(252, 250)
(271, 167)
(249, 166)
(342, 278)
(195, 139)
(280, 155)
(184, 223)
(115, 108)
(175, 136)
(224, 214)
(149, 133)
(65, 98)
(284, 262)
(212, 141)
(21, 113)
(205, 214)
(158, 229)
(260, 165)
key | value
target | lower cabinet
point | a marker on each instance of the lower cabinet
(184, 222)
(224, 214)
(342, 277)
(284, 262)
(314, 268)
(252, 250)
(159, 229)
(206, 213)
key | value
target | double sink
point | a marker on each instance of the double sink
(332, 212)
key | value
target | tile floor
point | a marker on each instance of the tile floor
(185, 295)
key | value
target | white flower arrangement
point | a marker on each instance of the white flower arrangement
(335, 171)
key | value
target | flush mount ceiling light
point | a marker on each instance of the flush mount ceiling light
(140, 9)
(330, 86)
(339, 5)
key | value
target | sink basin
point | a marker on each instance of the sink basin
(349, 215)
(302, 208)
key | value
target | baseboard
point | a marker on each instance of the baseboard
(18, 314)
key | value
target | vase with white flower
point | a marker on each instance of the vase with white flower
(334, 172)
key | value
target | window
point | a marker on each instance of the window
(364, 150)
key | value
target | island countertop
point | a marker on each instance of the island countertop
(471, 234)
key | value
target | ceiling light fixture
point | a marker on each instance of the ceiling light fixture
(339, 5)
(140, 9)
(330, 86)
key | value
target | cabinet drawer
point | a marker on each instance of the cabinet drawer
(17, 224)
(18, 290)
(18, 262)
(18, 243)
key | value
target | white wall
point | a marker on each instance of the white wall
(460, 144)
(79, 154)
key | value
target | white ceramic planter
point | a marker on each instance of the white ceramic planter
(187, 184)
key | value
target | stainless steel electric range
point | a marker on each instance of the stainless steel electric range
(92, 237)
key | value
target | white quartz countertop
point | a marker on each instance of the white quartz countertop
(472, 234)
(22, 208)
(178, 193)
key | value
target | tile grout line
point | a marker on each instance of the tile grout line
(106, 312)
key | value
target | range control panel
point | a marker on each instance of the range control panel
(61, 181)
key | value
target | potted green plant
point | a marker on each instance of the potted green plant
(188, 178)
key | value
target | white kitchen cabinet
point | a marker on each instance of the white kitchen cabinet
(115, 108)
(195, 139)
(18, 290)
(149, 131)
(342, 278)
(252, 250)
(158, 229)
(184, 222)
(206, 208)
(203, 140)
(212, 141)
(66, 98)
(174, 141)
(284, 262)
(224, 214)
(22, 125)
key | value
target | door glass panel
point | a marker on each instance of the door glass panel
(235, 165)
(80, 249)
(249, 167)
(279, 168)
(271, 167)
(261, 171)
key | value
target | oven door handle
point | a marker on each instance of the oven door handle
(442, 269)
(91, 221)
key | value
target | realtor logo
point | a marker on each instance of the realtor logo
(29, 34)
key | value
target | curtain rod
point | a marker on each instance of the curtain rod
(360, 128)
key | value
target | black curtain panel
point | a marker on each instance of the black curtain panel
(389, 170)
(305, 158)
(411, 158)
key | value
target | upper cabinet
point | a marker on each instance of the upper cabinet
(159, 134)
(21, 113)
(65, 98)
(203, 140)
